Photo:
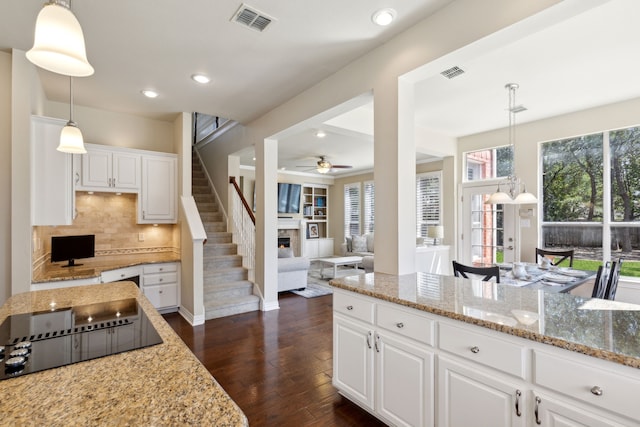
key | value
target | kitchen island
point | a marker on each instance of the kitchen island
(160, 385)
(425, 349)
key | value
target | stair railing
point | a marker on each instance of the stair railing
(243, 222)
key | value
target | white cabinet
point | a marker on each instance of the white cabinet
(385, 372)
(158, 199)
(121, 274)
(110, 169)
(318, 248)
(433, 259)
(554, 412)
(471, 396)
(52, 187)
(161, 284)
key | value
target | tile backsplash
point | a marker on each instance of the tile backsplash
(112, 218)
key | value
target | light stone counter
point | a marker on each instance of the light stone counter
(604, 329)
(93, 267)
(162, 385)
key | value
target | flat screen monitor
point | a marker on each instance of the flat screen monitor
(289, 197)
(71, 248)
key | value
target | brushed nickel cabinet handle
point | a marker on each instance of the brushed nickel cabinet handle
(369, 339)
(349, 307)
(475, 349)
(400, 325)
(596, 390)
(536, 410)
(376, 343)
(518, 395)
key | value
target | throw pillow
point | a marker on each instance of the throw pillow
(349, 244)
(359, 243)
(369, 242)
(285, 252)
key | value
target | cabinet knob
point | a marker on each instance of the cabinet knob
(400, 325)
(475, 349)
(160, 280)
(160, 292)
(160, 269)
(349, 307)
(122, 275)
(596, 390)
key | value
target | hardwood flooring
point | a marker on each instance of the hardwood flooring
(276, 365)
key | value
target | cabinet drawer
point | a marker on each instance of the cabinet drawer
(353, 306)
(490, 351)
(162, 296)
(160, 268)
(120, 274)
(619, 393)
(404, 323)
(159, 279)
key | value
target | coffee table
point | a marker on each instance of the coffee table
(336, 262)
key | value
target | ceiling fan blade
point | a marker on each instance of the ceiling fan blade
(341, 166)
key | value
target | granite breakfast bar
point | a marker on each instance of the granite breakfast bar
(160, 385)
(483, 354)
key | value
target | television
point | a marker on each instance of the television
(289, 197)
(71, 248)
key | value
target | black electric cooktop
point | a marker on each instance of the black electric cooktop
(33, 342)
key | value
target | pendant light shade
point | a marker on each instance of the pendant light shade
(59, 42)
(71, 140)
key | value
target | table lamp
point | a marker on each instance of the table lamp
(435, 232)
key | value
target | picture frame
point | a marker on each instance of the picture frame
(312, 230)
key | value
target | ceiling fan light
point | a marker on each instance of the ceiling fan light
(323, 166)
(71, 140)
(59, 42)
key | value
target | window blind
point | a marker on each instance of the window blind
(369, 206)
(428, 201)
(351, 209)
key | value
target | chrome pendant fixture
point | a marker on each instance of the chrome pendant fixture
(71, 140)
(516, 190)
(59, 41)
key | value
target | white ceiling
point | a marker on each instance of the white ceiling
(584, 61)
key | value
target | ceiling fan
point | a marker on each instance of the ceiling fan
(324, 166)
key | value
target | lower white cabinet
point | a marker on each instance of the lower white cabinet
(318, 248)
(386, 373)
(471, 396)
(160, 284)
(554, 412)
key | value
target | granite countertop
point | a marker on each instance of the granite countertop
(93, 267)
(604, 329)
(162, 385)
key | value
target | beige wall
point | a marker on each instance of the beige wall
(529, 137)
(5, 176)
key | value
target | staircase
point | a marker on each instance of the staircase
(226, 288)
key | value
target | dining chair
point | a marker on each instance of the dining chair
(612, 283)
(488, 272)
(556, 256)
(601, 281)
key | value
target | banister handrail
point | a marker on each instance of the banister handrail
(232, 180)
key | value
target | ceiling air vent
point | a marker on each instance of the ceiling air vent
(452, 72)
(250, 17)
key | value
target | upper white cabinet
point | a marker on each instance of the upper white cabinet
(52, 187)
(157, 202)
(110, 169)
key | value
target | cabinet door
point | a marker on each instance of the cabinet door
(162, 296)
(471, 396)
(311, 248)
(552, 412)
(325, 248)
(404, 381)
(353, 360)
(52, 175)
(159, 197)
(124, 338)
(126, 171)
(96, 168)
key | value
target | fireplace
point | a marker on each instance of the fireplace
(284, 242)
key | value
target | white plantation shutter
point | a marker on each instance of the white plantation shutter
(428, 201)
(369, 206)
(351, 209)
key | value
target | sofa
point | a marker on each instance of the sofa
(357, 245)
(292, 270)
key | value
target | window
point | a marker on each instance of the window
(428, 201)
(489, 164)
(351, 209)
(591, 189)
(369, 206)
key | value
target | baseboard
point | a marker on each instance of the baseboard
(189, 317)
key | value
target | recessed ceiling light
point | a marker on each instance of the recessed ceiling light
(321, 134)
(383, 17)
(150, 93)
(201, 78)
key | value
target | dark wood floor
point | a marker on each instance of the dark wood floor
(276, 365)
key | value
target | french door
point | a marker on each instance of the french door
(488, 231)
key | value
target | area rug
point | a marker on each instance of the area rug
(314, 290)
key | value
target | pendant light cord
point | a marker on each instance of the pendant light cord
(71, 99)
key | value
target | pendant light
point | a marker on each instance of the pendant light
(71, 138)
(58, 44)
(514, 195)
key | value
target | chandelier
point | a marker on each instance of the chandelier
(516, 191)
